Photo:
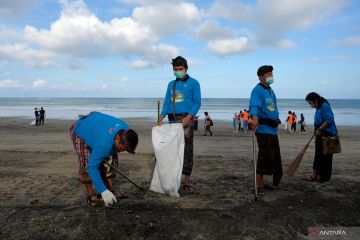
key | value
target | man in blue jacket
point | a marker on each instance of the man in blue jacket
(265, 117)
(182, 102)
(96, 137)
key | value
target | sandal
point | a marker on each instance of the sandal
(259, 190)
(188, 188)
(310, 178)
(93, 202)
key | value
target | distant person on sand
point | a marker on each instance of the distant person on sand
(324, 124)
(37, 117)
(235, 122)
(207, 124)
(196, 123)
(289, 121)
(245, 120)
(42, 116)
(265, 120)
(294, 122)
(182, 102)
(302, 123)
(97, 137)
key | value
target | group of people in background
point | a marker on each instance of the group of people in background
(242, 121)
(39, 116)
(292, 120)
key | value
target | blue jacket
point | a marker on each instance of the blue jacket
(98, 131)
(263, 104)
(187, 99)
(324, 113)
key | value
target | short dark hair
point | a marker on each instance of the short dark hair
(264, 69)
(132, 140)
(179, 61)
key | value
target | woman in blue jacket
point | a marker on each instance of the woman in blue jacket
(324, 126)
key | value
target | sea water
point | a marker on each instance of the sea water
(346, 111)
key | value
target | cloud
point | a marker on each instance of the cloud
(23, 53)
(324, 82)
(114, 78)
(9, 83)
(230, 46)
(141, 64)
(285, 44)
(39, 83)
(335, 58)
(210, 30)
(92, 38)
(15, 8)
(274, 18)
(353, 41)
(167, 18)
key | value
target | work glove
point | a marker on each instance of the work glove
(108, 197)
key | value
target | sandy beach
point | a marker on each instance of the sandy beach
(41, 199)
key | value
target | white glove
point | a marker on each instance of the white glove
(108, 197)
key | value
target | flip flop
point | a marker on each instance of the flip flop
(310, 179)
(259, 190)
(188, 188)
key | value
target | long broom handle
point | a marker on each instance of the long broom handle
(254, 158)
(158, 112)
(311, 139)
(117, 170)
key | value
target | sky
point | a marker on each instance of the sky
(123, 48)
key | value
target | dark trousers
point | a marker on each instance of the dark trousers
(189, 143)
(322, 163)
(302, 129)
(269, 158)
(41, 122)
(207, 129)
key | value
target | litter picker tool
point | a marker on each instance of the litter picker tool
(140, 193)
(290, 171)
(254, 158)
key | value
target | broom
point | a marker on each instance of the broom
(290, 171)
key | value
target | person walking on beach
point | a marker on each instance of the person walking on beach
(42, 116)
(182, 102)
(294, 119)
(207, 124)
(324, 124)
(196, 123)
(289, 121)
(245, 120)
(265, 119)
(241, 121)
(97, 137)
(235, 122)
(302, 123)
(37, 117)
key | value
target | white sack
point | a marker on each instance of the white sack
(32, 123)
(168, 143)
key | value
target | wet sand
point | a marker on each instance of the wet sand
(41, 199)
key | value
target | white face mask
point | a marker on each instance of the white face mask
(269, 80)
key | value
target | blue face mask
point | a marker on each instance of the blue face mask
(179, 74)
(269, 80)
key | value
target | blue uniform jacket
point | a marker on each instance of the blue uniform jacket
(98, 131)
(324, 114)
(263, 104)
(187, 97)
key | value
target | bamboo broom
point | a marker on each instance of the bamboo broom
(290, 171)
